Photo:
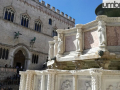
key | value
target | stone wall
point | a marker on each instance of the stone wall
(89, 79)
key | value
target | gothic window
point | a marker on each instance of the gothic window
(25, 20)
(50, 21)
(38, 26)
(0, 53)
(4, 53)
(54, 33)
(35, 59)
(9, 14)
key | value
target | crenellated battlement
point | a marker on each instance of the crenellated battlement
(57, 11)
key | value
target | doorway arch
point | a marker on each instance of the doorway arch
(19, 59)
(25, 51)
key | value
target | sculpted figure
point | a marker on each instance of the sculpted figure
(102, 33)
(51, 50)
(55, 47)
(79, 40)
(60, 43)
(88, 86)
(66, 85)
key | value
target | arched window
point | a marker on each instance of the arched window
(38, 25)
(54, 33)
(9, 14)
(0, 53)
(7, 53)
(50, 21)
(35, 59)
(3, 55)
(25, 20)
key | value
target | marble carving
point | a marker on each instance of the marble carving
(102, 33)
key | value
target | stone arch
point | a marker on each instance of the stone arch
(25, 52)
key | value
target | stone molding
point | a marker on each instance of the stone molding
(97, 77)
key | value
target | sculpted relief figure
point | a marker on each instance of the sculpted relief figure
(66, 85)
(51, 50)
(79, 40)
(55, 47)
(60, 43)
(102, 33)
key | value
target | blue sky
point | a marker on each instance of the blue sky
(82, 10)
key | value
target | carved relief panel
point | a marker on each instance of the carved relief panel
(84, 83)
(65, 83)
(37, 82)
(110, 83)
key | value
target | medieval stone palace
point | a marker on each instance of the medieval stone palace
(26, 26)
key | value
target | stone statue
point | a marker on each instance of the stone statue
(51, 50)
(60, 43)
(17, 34)
(102, 33)
(88, 86)
(55, 46)
(33, 40)
(79, 40)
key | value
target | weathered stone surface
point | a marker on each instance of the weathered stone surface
(113, 35)
(70, 43)
(91, 39)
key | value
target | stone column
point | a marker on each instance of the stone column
(102, 31)
(96, 79)
(51, 50)
(49, 82)
(53, 82)
(43, 82)
(55, 45)
(79, 39)
(29, 80)
(75, 82)
(22, 81)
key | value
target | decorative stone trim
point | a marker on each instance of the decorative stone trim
(97, 77)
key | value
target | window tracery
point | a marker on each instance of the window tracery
(38, 25)
(9, 14)
(25, 20)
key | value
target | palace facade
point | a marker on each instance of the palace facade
(26, 26)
